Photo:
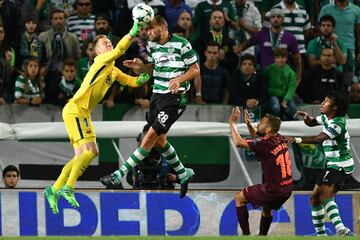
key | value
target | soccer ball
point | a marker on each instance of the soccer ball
(142, 14)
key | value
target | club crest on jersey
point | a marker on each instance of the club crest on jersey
(171, 50)
(108, 80)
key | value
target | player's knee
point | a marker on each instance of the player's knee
(239, 197)
(266, 212)
(315, 199)
(160, 143)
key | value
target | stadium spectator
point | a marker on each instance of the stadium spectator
(281, 85)
(335, 140)
(355, 93)
(214, 78)
(82, 23)
(173, 9)
(203, 13)
(28, 86)
(69, 83)
(101, 7)
(247, 88)
(227, 56)
(102, 26)
(321, 79)
(7, 61)
(248, 22)
(40, 9)
(31, 45)
(269, 39)
(168, 100)
(271, 151)
(84, 63)
(308, 5)
(327, 39)
(60, 44)
(11, 176)
(8, 18)
(296, 21)
(347, 17)
(185, 21)
(66, 6)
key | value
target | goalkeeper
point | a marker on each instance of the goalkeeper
(76, 113)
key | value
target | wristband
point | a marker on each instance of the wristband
(298, 140)
(198, 94)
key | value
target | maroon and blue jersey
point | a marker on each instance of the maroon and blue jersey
(273, 154)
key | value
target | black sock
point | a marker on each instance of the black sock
(243, 218)
(265, 223)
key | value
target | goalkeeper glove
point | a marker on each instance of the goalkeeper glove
(142, 78)
(134, 30)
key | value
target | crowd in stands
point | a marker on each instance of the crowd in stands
(273, 54)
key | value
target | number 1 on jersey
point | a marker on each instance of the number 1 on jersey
(285, 163)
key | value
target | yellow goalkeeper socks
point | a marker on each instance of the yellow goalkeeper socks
(79, 166)
(61, 180)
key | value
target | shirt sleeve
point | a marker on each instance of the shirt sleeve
(188, 54)
(123, 78)
(256, 145)
(119, 50)
(320, 120)
(333, 130)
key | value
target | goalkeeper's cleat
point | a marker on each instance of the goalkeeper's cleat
(111, 180)
(52, 198)
(68, 193)
(184, 182)
(344, 232)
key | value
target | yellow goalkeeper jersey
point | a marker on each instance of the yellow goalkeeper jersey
(100, 77)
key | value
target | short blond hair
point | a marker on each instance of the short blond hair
(97, 38)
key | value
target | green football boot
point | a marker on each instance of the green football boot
(52, 198)
(68, 193)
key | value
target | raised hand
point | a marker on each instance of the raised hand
(135, 64)
(235, 115)
(301, 114)
(247, 117)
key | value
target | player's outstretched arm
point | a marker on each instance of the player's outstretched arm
(308, 140)
(121, 46)
(131, 81)
(251, 129)
(139, 66)
(309, 121)
(191, 73)
(238, 140)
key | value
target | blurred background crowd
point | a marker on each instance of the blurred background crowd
(272, 54)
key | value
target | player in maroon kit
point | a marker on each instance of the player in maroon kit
(271, 151)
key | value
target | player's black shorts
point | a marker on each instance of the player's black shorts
(331, 176)
(165, 109)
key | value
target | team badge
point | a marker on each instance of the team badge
(171, 50)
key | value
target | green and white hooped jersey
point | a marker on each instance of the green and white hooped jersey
(170, 60)
(337, 147)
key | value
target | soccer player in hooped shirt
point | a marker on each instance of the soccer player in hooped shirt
(76, 113)
(335, 140)
(271, 151)
(172, 62)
